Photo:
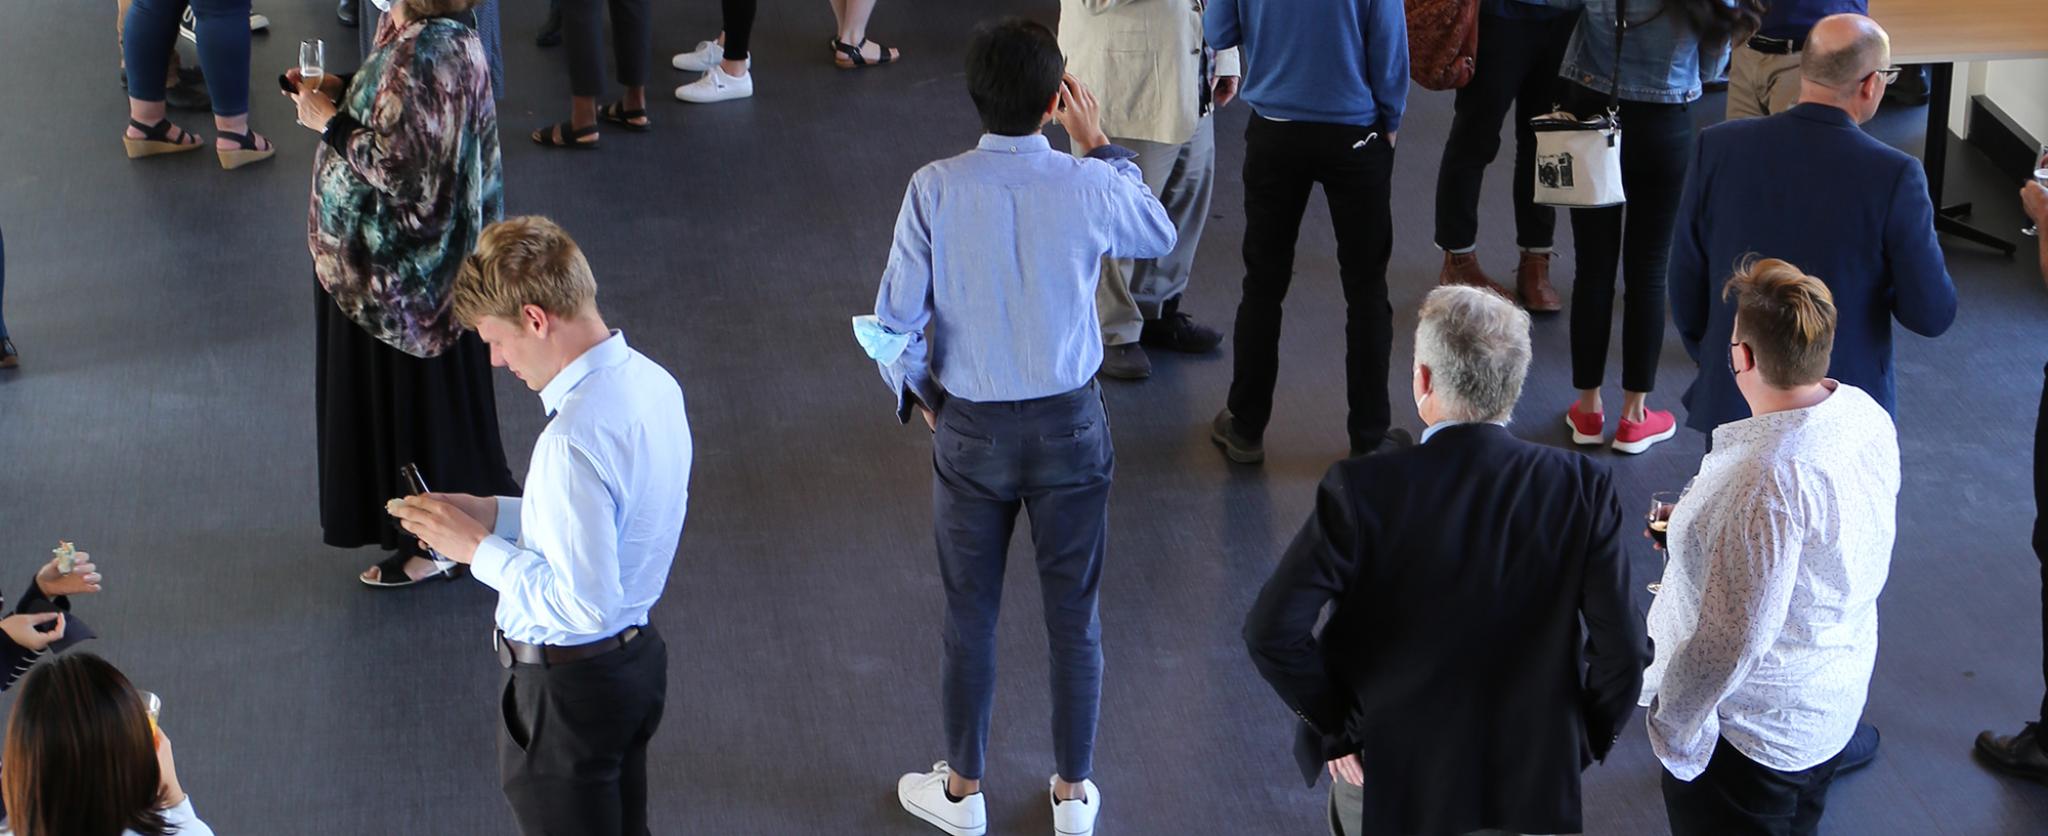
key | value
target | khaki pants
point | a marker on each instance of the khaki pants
(1760, 84)
(1183, 178)
(1347, 811)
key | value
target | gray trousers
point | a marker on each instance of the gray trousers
(1347, 811)
(1183, 177)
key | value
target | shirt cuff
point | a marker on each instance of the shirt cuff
(1112, 151)
(1227, 64)
(493, 562)
(508, 518)
(338, 131)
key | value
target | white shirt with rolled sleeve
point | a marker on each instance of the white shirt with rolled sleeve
(1766, 624)
(587, 552)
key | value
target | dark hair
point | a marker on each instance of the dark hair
(1787, 318)
(1715, 20)
(81, 760)
(1014, 67)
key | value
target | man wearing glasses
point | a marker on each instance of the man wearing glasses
(1810, 187)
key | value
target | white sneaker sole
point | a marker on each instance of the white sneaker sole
(933, 819)
(1633, 447)
(1582, 438)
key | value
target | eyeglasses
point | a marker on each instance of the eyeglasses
(1731, 357)
(1889, 74)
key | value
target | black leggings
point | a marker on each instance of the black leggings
(2041, 526)
(583, 30)
(1656, 145)
(739, 27)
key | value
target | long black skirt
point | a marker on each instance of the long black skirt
(379, 408)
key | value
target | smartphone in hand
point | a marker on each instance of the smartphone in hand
(284, 82)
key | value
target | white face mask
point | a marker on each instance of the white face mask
(382, 5)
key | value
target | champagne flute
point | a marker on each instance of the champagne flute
(151, 705)
(1661, 505)
(2041, 177)
(312, 64)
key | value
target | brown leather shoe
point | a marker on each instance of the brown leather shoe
(1532, 280)
(1463, 268)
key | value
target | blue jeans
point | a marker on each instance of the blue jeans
(1052, 458)
(222, 27)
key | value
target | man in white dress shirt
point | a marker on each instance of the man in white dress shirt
(580, 561)
(1766, 625)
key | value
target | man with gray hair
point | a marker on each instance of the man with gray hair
(1452, 689)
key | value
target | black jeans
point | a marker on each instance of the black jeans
(573, 757)
(632, 41)
(1283, 162)
(1052, 459)
(1517, 67)
(2040, 527)
(1737, 796)
(1656, 146)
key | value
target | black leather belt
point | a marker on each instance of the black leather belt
(1777, 46)
(510, 651)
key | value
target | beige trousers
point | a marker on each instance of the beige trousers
(1760, 84)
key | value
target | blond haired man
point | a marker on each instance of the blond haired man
(1766, 624)
(579, 562)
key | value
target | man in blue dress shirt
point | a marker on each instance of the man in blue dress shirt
(985, 324)
(579, 562)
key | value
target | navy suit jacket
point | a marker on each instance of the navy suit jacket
(1810, 187)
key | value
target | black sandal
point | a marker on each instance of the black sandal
(156, 139)
(565, 135)
(617, 114)
(244, 155)
(855, 59)
(394, 567)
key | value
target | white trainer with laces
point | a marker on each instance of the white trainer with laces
(923, 794)
(704, 57)
(188, 25)
(1075, 817)
(716, 86)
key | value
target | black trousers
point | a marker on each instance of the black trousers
(1283, 162)
(2041, 528)
(1517, 67)
(573, 758)
(739, 27)
(1656, 146)
(1737, 796)
(583, 31)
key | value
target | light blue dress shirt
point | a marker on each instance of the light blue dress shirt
(993, 271)
(587, 552)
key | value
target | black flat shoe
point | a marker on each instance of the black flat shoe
(394, 567)
(9, 358)
(565, 135)
(346, 13)
(2020, 754)
(618, 114)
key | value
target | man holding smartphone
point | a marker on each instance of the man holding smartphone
(580, 561)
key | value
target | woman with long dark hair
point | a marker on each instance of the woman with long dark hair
(1669, 48)
(84, 758)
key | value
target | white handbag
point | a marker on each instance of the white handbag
(1578, 161)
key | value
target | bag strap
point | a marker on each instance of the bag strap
(1620, 32)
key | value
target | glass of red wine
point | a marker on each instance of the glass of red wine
(1659, 521)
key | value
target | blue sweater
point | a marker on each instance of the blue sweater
(1335, 61)
(1810, 187)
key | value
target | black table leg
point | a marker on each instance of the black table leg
(1949, 218)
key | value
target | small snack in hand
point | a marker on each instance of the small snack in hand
(67, 555)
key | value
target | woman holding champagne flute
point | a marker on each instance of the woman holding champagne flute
(404, 181)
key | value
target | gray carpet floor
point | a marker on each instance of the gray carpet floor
(163, 420)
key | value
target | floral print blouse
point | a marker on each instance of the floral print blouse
(405, 180)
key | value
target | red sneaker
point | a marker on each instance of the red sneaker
(1635, 437)
(1586, 427)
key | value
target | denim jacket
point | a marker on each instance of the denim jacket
(1663, 60)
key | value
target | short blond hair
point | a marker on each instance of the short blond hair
(523, 261)
(1787, 318)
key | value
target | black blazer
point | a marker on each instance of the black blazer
(1451, 663)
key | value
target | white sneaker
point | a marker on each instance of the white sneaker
(257, 22)
(716, 86)
(188, 26)
(704, 57)
(1076, 817)
(924, 795)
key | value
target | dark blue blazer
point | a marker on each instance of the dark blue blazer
(1810, 187)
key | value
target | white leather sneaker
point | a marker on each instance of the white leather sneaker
(924, 795)
(1076, 817)
(716, 86)
(704, 57)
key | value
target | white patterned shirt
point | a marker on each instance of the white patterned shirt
(1766, 625)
